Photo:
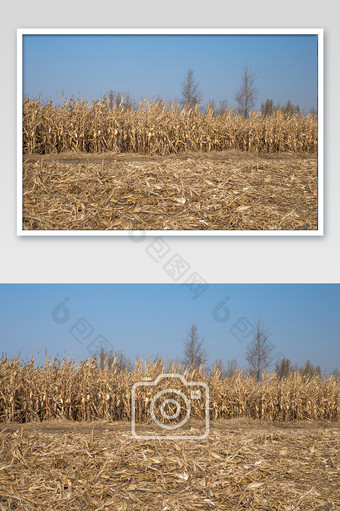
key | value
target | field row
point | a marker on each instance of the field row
(155, 129)
(64, 389)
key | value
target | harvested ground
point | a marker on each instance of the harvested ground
(241, 465)
(225, 190)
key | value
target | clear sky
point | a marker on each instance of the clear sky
(152, 319)
(89, 66)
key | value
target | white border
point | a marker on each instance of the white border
(175, 31)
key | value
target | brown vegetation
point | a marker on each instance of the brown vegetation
(155, 129)
(55, 460)
(67, 390)
(242, 465)
(242, 192)
(225, 190)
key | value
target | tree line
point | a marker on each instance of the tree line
(191, 97)
(258, 355)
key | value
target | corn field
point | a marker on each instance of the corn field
(153, 128)
(64, 389)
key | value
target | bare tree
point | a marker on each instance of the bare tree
(195, 354)
(267, 108)
(247, 93)
(259, 351)
(336, 373)
(112, 359)
(219, 365)
(232, 366)
(290, 109)
(309, 370)
(191, 95)
(223, 106)
(283, 368)
(211, 106)
(120, 99)
(226, 370)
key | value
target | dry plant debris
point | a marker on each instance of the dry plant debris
(64, 389)
(228, 190)
(154, 128)
(242, 465)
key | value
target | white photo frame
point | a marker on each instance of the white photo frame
(174, 31)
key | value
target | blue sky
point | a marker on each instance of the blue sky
(152, 319)
(155, 65)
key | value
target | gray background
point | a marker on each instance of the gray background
(231, 259)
